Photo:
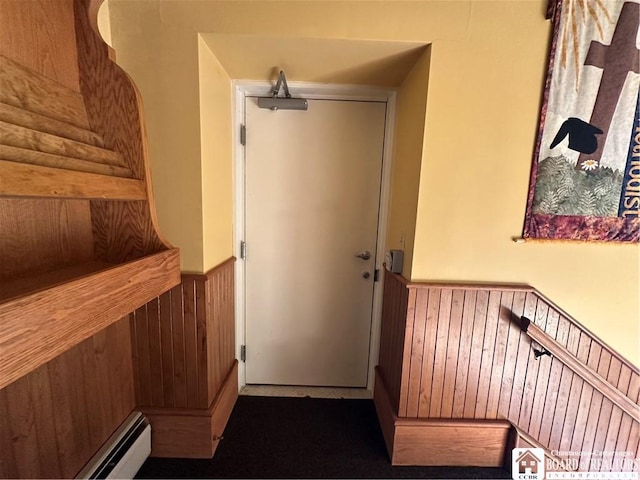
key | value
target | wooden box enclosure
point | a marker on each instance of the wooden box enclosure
(79, 247)
(458, 352)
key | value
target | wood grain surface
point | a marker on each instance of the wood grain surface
(184, 341)
(476, 363)
(54, 419)
(58, 318)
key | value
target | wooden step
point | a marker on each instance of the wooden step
(34, 121)
(34, 157)
(17, 136)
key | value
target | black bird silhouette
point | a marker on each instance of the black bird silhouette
(582, 135)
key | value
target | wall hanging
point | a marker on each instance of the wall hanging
(585, 178)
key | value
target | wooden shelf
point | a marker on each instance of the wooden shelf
(80, 247)
(21, 287)
(39, 325)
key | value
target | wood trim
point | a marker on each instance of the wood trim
(392, 338)
(209, 274)
(27, 138)
(35, 157)
(515, 287)
(386, 413)
(521, 439)
(587, 332)
(193, 433)
(23, 180)
(35, 121)
(477, 443)
(588, 375)
(54, 320)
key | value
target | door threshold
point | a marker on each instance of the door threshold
(302, 391)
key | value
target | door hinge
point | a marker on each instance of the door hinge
(243, 135)
(243, 250)
(243, 353)
(376, 275)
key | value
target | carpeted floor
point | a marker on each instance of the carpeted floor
(269, 437)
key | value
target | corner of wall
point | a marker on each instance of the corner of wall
(216, 156)
(407, 159)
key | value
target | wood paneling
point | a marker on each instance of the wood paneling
(474, 362)
(58, 47)
(392, 344)
(184, 363)
(54, 419)
(185, 341)
(27, 248)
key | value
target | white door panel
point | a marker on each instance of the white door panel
(312, 201)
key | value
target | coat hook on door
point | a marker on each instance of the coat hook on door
(282, 103)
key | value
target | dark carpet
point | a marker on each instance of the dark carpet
(269, 437)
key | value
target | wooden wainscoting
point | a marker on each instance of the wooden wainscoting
(55, 418)
(184, 359)
(463, 356)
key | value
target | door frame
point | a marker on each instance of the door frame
(312, 91)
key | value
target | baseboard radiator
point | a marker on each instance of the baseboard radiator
(124, 452)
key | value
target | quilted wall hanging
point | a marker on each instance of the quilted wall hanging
(585, 178)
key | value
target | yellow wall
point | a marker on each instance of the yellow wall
(479, 138)
(217, 168)
(486, 72)
(163, 62)
(411, 104)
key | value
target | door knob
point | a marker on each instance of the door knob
(365, 255)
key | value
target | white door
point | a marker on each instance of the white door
(312, 201)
